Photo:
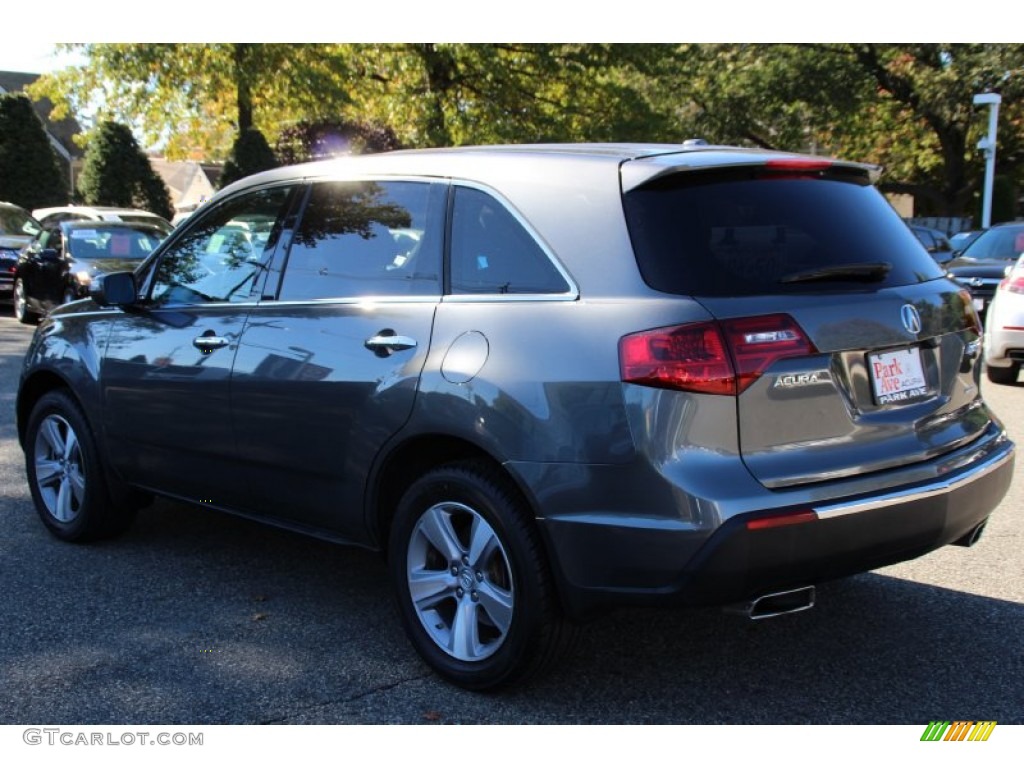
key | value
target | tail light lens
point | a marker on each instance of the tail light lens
(714, 358)
(1014, 283)
(971, 317)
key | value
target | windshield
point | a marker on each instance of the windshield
(749, 232)
(14, 221)
(998, 243)
(111, 243)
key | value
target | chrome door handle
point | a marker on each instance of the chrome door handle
(208, 342)
(385, 343)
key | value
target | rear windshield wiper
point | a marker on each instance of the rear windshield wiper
(863, 272)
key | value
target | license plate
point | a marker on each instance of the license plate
(897, 376)
(979, 304)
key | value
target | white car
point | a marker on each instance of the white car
(1004, 328)
(50, 217)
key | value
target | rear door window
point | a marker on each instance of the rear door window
(751, 232)
(367, 238)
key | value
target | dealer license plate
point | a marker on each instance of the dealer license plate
(897, 376)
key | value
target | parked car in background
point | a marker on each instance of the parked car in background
(961, 240)
(17, 229)
(981, 266)
(61, 263)
(51, 216)
(545, 380)
(1004, 331)
(935, 242)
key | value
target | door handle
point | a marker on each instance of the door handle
(209, 342)
(387, 342)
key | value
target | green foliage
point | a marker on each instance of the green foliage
(117, 172)
(312, 140)
(250, 154)
(30, 175)
(905, 107)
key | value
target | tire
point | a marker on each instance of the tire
(66, 475)
(486, 615)
(21, 310)
(1003, 375)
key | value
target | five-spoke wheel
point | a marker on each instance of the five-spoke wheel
(474, 589)
(66, 476)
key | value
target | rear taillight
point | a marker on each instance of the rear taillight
(1014, 283)
(689, 357)
(714, 358)
(757, 342)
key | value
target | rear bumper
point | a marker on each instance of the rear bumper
(600, 563)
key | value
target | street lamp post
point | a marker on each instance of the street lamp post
(988, 147)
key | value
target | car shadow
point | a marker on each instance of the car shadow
(200, 617)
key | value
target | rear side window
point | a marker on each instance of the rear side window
(749, 232)
(492, 253)
(367, 238)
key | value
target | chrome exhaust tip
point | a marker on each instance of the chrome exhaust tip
(774, 604)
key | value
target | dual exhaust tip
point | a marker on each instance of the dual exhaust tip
(774, 604)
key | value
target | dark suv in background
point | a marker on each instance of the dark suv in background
(17, 229)
(544, 380)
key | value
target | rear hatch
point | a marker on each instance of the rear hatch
(850, 351)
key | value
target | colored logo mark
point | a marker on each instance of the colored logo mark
(958, 730)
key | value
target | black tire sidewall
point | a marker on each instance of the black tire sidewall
(479, 491)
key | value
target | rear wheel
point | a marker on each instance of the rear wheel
(1003, 375)
(66, 476)
(474, 591)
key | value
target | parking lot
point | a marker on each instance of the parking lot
(197, 617)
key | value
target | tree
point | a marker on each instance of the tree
(29, 172)
(117, 172)
(250, 154)
(316, 139)
(199, 96)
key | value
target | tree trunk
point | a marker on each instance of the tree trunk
(243, 94)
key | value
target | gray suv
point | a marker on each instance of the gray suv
(543, 380)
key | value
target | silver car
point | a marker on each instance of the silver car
(543, 380)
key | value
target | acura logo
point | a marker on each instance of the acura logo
(911, 319)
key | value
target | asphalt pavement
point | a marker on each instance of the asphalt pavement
(195, 617)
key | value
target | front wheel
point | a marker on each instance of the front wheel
(21, 310)
(474, 589)
(66, 476)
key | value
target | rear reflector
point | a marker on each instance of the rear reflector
(778, 521)
(715, 358)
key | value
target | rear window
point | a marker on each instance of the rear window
(749, 232)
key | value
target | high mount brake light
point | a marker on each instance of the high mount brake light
(798, 164)
(711, 357)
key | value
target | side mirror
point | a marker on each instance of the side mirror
(116, 289)
(49, 255)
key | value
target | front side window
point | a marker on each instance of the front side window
(492, 253)
(366, 238)
(222, 256)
